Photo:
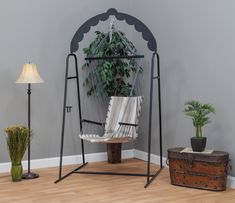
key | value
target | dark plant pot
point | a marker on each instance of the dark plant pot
(198, 144)
(114, 151)
(16, 172)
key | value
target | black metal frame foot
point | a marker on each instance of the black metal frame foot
(68, 174)
(153, 177)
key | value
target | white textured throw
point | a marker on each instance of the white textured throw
(121, 109)
(189, 150)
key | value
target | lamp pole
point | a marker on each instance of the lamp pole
(29, 174)
(29, 107)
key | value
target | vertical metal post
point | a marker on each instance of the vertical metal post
(63, 119)
(29, 174)
(160, 111)
(150, 116)
(29, 124)
(79, 107)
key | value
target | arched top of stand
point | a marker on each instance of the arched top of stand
(130, 20)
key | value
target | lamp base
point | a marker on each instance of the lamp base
(30, 175)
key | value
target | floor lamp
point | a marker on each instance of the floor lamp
(28, 76)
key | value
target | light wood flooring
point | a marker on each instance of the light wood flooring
(104, 189)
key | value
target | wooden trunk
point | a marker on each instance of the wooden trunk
(114, 151)
(203, 171)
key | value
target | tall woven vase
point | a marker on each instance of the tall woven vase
(16, 172)
(17, 138)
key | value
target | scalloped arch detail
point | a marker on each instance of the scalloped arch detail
(130, 20)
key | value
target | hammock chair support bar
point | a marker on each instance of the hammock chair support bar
(92, 122)
(156, 77)
(74, 46)
(74, 77)
(128, 124)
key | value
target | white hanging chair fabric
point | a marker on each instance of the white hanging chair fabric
(124, 110)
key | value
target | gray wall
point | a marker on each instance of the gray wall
(195, 42)
(40, 32)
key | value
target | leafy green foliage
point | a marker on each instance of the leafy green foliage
(112, 74)
(17, 141)
(199, 113)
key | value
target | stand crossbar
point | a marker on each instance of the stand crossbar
(77, 171)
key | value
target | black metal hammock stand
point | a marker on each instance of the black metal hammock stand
(116, 130)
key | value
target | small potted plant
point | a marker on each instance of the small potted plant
(199, 113)
(17, 138)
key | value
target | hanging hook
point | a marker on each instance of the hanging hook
(111, 27)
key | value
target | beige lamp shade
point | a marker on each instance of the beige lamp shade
(29, 74)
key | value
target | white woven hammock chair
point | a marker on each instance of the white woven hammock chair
(123, 112)
(121, 123)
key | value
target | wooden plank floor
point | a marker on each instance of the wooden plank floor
(104, 189)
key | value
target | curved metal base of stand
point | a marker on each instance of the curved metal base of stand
(150, 177)
(30, 175)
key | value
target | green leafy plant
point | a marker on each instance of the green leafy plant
(17, 138)
(199, 113)
(112, 74)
